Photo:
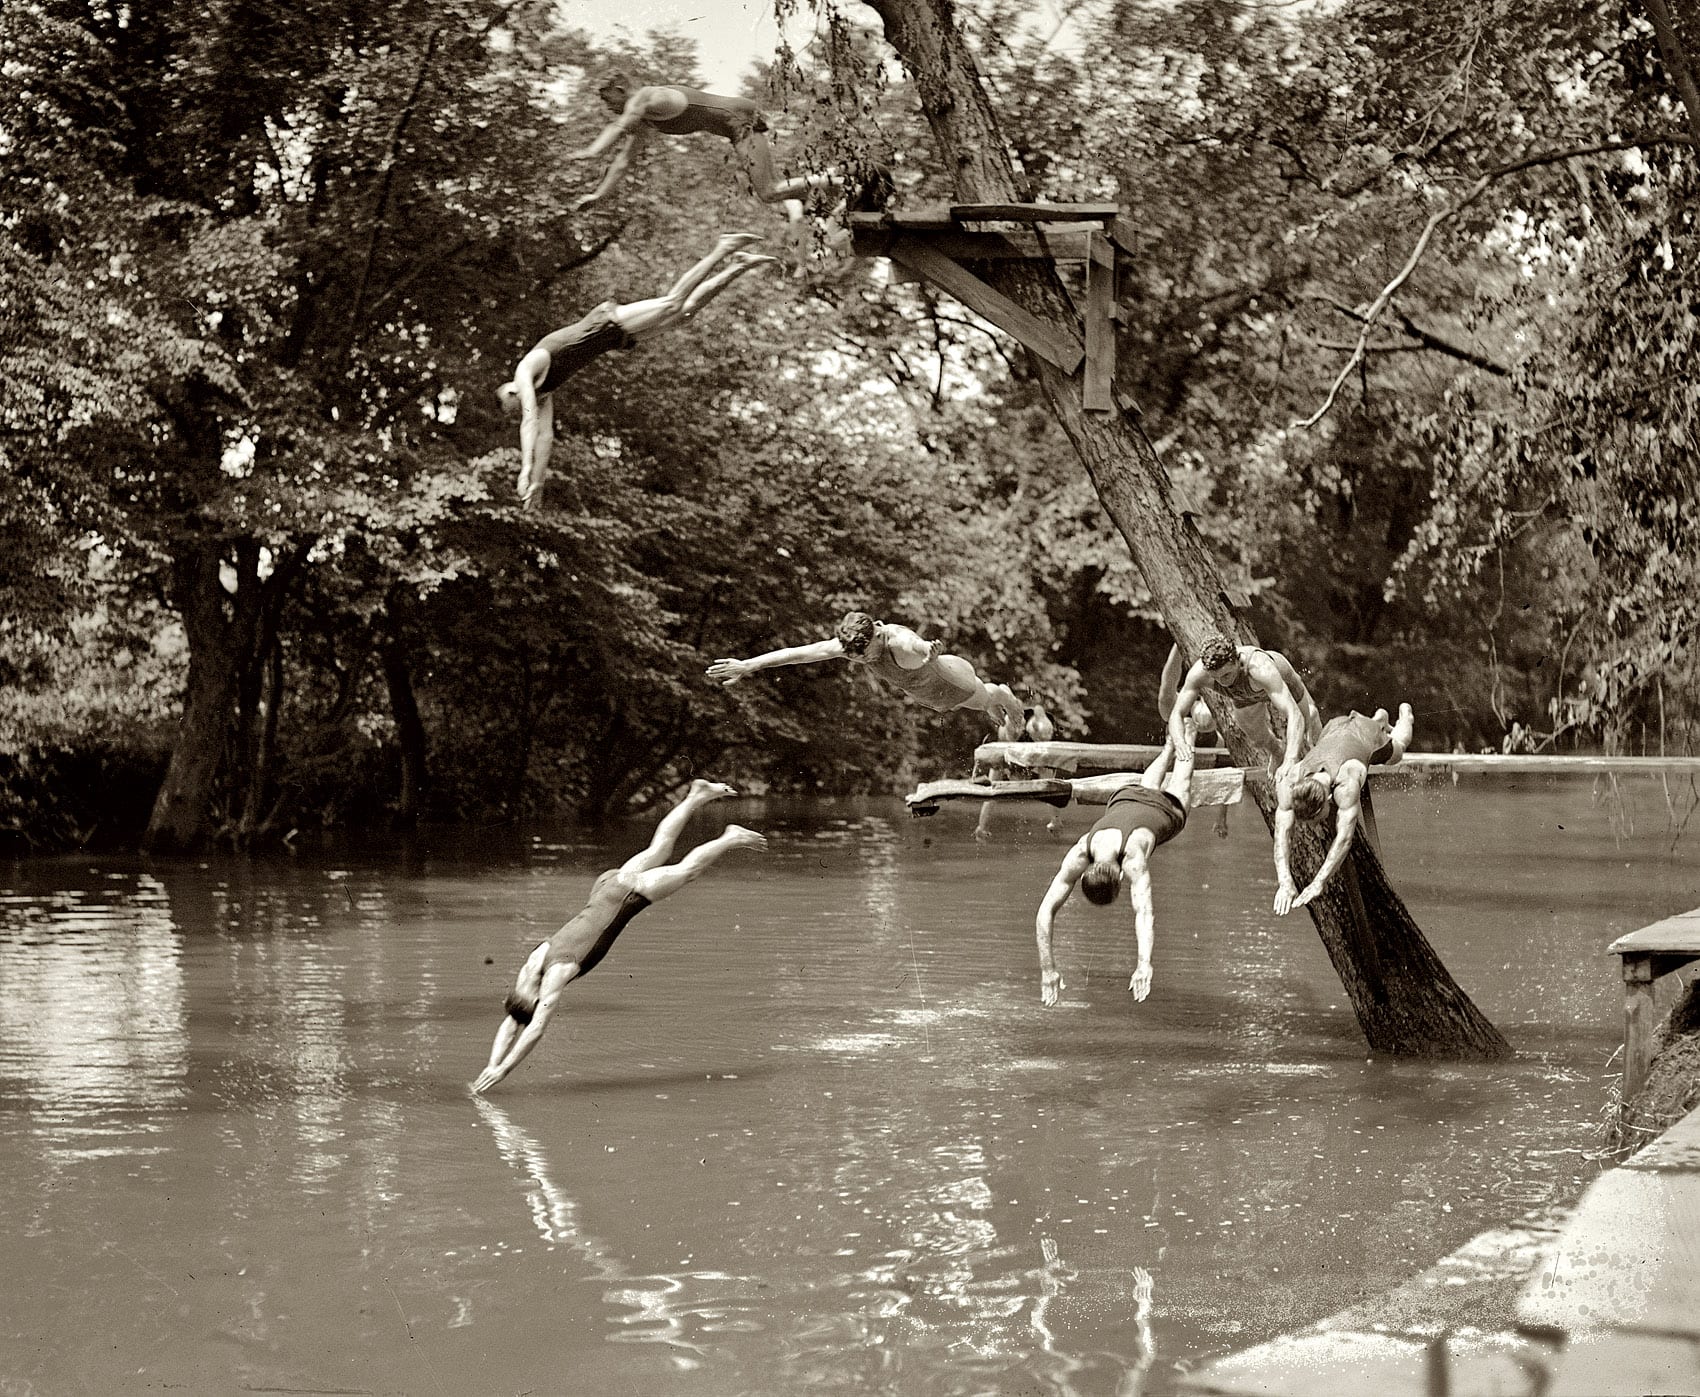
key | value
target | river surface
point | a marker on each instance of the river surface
(808, 1128)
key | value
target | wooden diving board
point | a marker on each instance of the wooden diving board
(925, 799)
(1067, 756)
(1551, 764)
(1646, 955)
(1222, 786)
(1034, 213)
(936, 244)
(1094, 756)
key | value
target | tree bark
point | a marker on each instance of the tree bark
(181, 821)
(1404, 999)
(410, 735)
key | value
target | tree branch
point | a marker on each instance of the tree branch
(380, 211)
(1452, 210)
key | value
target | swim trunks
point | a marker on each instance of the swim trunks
(932, 685)
(731, 117)
(575, 346)
(1140, 807)
(1350, 737)
(606, 914)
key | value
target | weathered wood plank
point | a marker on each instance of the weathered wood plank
(1049, 343)
(1220, 786)
(1094, 756)
(1033, 213)
(1676, 935)
(1553, 764)
(1121, 755)
(931, 793)
(1098, 389)
(872, 237)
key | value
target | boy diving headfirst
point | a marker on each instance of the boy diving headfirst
(616, 897)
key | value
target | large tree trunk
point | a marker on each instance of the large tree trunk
(410, 734)
(233, 671)
(181, 821)
(1404, 999)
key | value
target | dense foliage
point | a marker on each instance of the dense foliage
(264, 265)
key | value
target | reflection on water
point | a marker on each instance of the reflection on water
(808, 1128)
(93, 1032)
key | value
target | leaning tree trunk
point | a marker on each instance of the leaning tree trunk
(1404, 999)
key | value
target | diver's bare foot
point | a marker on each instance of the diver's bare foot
(751, 259)
(731, 242)
(710, 790)
(741, 838)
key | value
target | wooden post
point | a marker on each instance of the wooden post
(1099, 388)
(1639, 1016)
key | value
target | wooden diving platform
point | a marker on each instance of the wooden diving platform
(1220, 786)
(1645, 956)
(1068, 756)
(936, 242)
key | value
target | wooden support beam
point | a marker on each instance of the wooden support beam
(1099, 388)
(1054, 345)
(1094, 756)
(1033, 213)
(963, 246)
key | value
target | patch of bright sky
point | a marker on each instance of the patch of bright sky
(733, 35)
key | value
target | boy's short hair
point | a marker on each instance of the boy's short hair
(855, 631)
(1310, 800)
(520, 1010)
(1100, 882)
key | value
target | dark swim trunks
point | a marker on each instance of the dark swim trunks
(629, 908)
(731, 117)
(1140, 807)
(575, 346)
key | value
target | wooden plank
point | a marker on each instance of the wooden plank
(928, 218)
(1098, 390)
(1678, 934)
(1094, 756)
(963, 246)
(1629, 1258)
(1552, 765)
(1223, 785)
(925, 799)
(1033, 213)
(1051, 343)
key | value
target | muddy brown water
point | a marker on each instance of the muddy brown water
(808, 1128)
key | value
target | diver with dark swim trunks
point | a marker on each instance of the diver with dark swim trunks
(921, 668)
(1333, 773)
(686, 111)
(617, 896)
(562, 353)
(1140, 816)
